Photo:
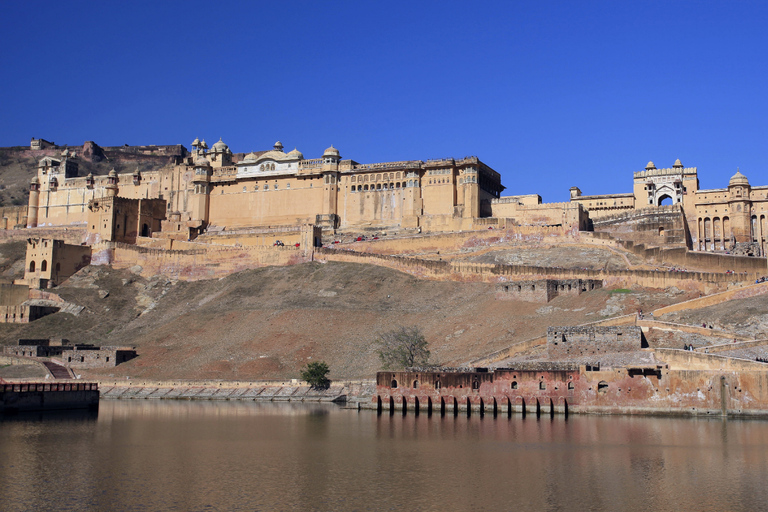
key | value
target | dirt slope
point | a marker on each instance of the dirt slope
(269, 322)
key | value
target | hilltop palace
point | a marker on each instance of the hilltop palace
(210, 190)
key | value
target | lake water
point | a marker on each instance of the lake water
(180, 455)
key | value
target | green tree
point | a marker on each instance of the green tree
(402, 348)
(316, 374)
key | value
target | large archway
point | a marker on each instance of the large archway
(665, 200)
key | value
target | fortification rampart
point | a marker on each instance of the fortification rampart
(569, 341)
(743, 292)
(706, 261)
(690, 329)
(71, 234)
(203, 263)
(451, 241)
(689, 360)
(457, 270)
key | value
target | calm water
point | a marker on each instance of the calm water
(167, 455)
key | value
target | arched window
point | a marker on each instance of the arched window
(475, 384)
(393, 385)
(542, 385)
(602, 387)
(415, 384)
(43, 266)
(32, 266)
(145, 230)
(514, 384)
(437, 384)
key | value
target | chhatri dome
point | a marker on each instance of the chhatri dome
(220, 146)
(296, 154)
(677, 164)
(202, 162)
(738, 179)
(650, 166)
(331, 151)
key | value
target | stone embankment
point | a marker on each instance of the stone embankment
(294, 390)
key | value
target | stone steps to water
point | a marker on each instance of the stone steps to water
(57, 371)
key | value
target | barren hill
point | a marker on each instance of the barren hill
(269, 322)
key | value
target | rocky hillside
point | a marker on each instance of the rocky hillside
(18, 165)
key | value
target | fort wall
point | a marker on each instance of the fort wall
(592, 340)
(554, 388)
(457, 270)
(195, 264)
(743, 292)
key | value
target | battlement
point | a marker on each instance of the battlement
(405, 164)
(635, 214)
(669, 171)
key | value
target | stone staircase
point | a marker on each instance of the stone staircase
(59, 372)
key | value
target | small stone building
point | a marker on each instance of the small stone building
(544, 290)
(50, 262)
(88, 356)
(80, 355)
(593, 340)
(13, 309)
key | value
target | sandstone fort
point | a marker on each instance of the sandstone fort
(206, 213)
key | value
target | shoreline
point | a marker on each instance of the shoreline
(292, 390)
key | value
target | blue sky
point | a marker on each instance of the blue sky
(550, 94)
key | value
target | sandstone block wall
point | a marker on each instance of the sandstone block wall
(103, 357)
(663, 226)
(592, 340)
(545, 290)
(23, 314)
(201, 263)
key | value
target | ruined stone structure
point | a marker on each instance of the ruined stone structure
(544, 290)
(593, 340)
(41, 144)
(13, 306)
(686, 383)
(76, 356)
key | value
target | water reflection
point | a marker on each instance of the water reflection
(168, 455)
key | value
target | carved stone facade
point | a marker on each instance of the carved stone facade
(274, 188)
(731, 219)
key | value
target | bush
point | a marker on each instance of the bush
(316, 374)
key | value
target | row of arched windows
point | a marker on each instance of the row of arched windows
(377, 186)
(377, 177)
(43, 266)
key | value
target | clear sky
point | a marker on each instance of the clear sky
(550, 94)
